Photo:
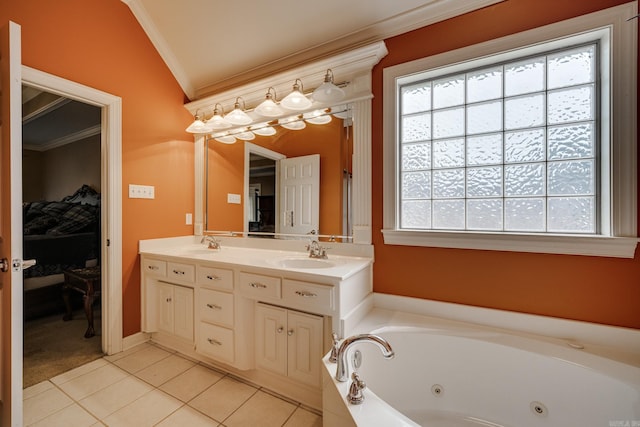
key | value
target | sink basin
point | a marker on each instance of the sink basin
(305, 263)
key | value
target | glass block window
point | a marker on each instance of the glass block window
(509, 147)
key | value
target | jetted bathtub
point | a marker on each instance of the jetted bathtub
(457, 376)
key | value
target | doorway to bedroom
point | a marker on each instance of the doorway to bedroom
(62, 185)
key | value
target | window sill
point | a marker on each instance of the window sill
(617, 247)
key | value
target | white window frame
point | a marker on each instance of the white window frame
(618, 233)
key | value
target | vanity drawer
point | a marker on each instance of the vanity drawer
(216, 307)
(215, 341)
(307, 295)
(182, 272)
(218, 278)
(154, 267)
(257, 286)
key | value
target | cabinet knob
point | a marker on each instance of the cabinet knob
(168, 299)
(290, 332)
(280, 330)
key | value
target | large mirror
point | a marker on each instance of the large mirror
(245, 190)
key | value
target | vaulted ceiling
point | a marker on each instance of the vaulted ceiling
(214, 45)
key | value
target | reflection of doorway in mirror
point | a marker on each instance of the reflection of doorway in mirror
(261, 194)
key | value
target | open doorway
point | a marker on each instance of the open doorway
(62, 232)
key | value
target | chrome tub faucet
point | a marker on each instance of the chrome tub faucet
(342, 369)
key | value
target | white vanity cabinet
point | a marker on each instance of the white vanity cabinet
(216, 312)
(168, 297)
(175, 310)
(242, 309)
(289, 343)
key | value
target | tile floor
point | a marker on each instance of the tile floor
(151, 386)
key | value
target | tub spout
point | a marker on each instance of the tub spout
(342, 369)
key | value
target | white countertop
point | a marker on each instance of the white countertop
(266, 254)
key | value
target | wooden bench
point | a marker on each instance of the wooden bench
(87, 281)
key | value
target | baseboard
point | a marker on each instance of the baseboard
(134, 340)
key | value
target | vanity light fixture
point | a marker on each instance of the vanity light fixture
(268, 107)
(263, 129)
(296, 100)
(198, 126)
(238, 116)
(224, 137)
(217, 121)
(245, 135)
(317, 117)
(292, 123)
(328, 92)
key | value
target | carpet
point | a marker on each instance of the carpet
(52, 347)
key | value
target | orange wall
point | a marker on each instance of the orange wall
(228, 162)
(101, 45)
(594, 289)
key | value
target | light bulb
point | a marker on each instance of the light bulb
(328, 92)
(268, 107)
(198, 126)
(296, 99)
(238, 116)
(317, 117)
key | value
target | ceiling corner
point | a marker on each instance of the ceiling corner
(158, 41)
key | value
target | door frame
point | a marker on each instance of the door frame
(111, 194)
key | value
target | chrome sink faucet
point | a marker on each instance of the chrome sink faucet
(316, 251)
(342, 369)
(213, 243)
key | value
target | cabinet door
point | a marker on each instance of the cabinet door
(183, 312)
(165, 307)
(271, 338)
(304, 347)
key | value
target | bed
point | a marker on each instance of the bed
(59, 235)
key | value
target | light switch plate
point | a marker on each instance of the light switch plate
(233, 198)
(141, 191)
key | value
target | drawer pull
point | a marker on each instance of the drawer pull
(180, 272)
(211, 277)
(257, 285)
(306, 294)
(153, 267)
(213, 342)
(214, 306)
(168, 299)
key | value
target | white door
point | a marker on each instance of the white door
(300, 194)
(11, 226)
